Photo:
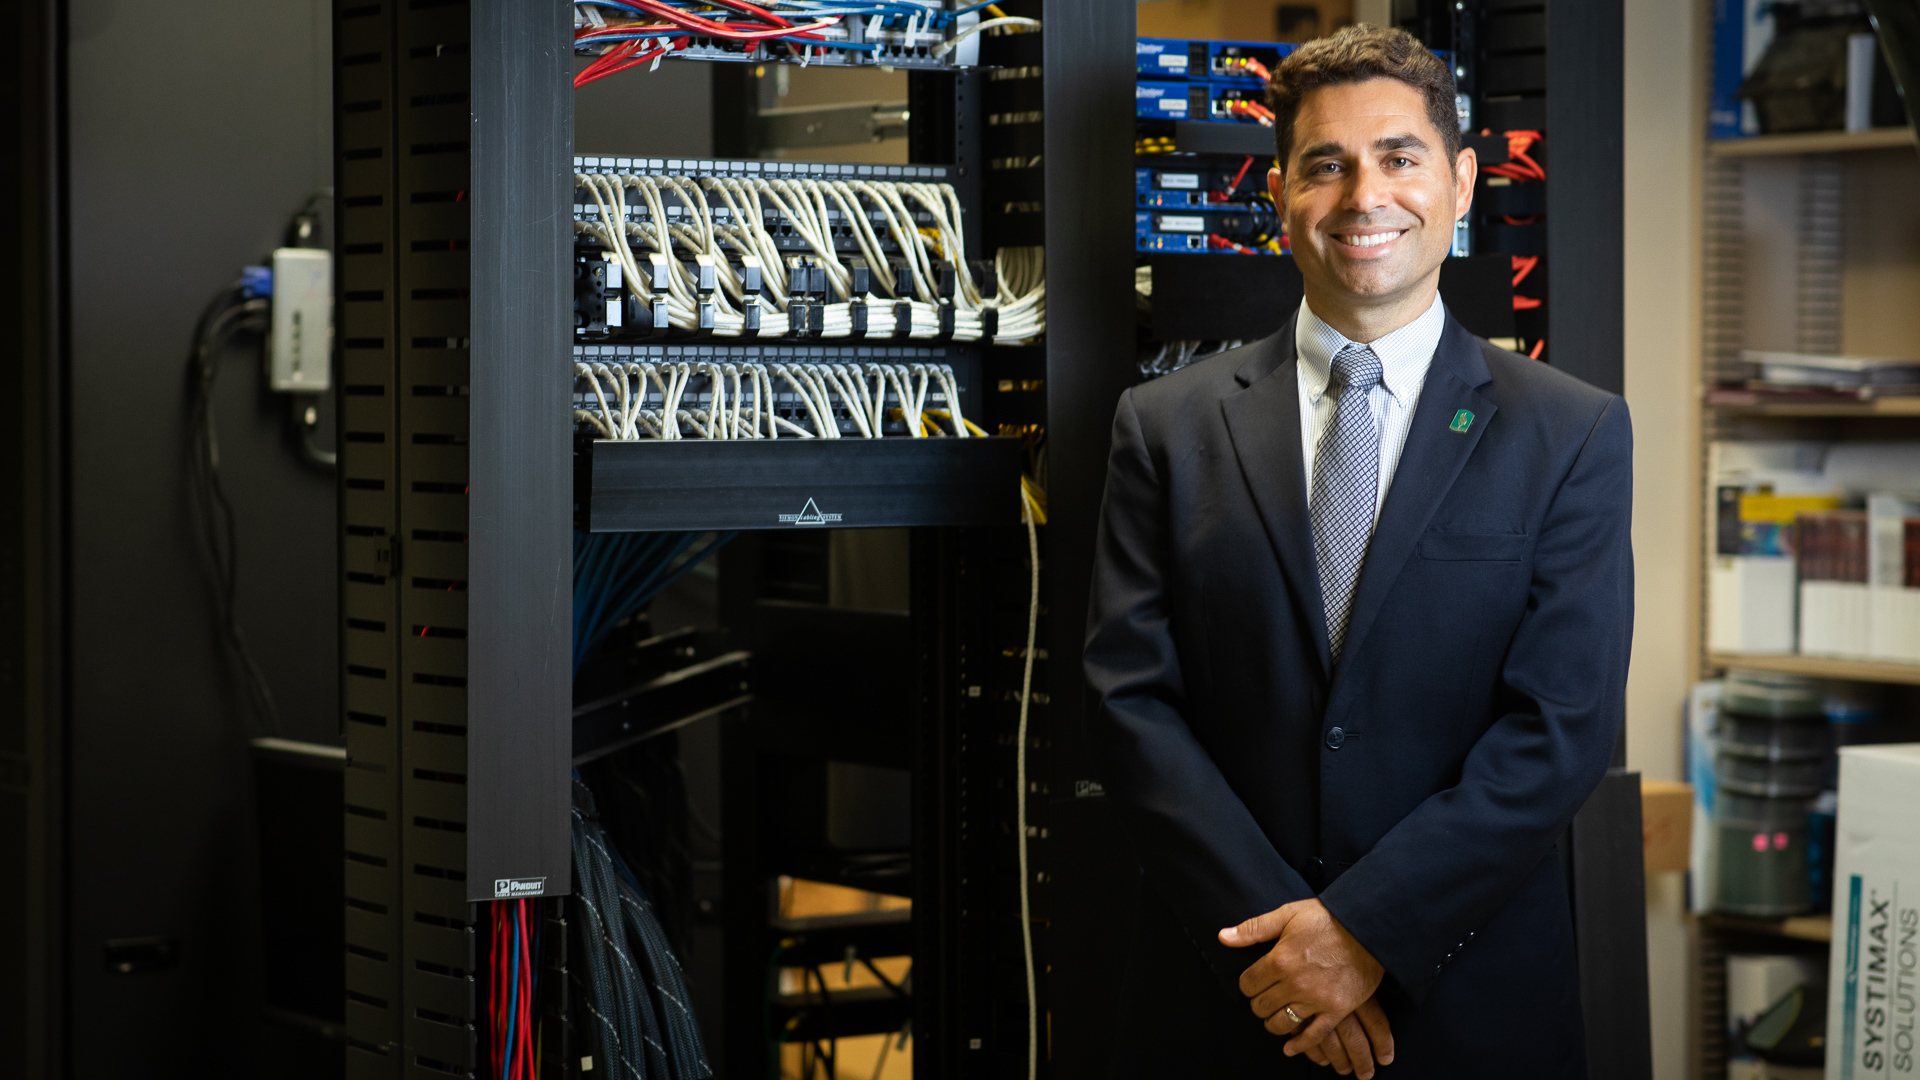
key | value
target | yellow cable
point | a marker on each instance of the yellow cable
(1031, 514)
(1034, 498)
(943, 414)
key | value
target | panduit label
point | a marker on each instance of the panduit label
(507, 888)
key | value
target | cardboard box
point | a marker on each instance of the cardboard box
(1873, 1003)
(1666, 824)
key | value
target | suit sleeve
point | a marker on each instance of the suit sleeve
(1444, 871)
(1200, 846)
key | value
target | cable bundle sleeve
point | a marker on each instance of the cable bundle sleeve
(637, 1001)
(724, 220)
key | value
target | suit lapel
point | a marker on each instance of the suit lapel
(1429, 463)
(1263, 419)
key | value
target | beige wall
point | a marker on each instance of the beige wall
(1661, 167)
(1234, 20)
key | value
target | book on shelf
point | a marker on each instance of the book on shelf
(1835, 613)
(1759, 488)
(1817, 371)
(1893, 578)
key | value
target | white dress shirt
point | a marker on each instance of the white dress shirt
(1404, 356)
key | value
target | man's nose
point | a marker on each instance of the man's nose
(1367, 191)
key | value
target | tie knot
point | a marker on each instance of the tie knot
(1356, 367)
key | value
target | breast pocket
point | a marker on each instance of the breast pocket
(1506, 547)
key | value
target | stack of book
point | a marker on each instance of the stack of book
(1811, 555)
(1792, 377)
(1860, 581)
(1831, 558)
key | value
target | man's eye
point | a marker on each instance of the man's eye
(1327, 167)
(1400, 162)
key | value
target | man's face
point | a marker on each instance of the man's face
(1369, 197)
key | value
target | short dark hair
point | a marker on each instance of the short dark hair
(1356, 54)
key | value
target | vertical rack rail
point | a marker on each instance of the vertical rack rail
(453, 125)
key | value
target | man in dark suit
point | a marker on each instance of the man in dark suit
(1361, 610)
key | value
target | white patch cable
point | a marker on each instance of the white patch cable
(1020, 305)
(739, 400)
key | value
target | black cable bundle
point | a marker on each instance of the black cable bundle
(637, 999)
(641, 795)
(231, 312)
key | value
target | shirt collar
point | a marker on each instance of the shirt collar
(1404, 354)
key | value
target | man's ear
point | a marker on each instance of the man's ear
(1277, 187)
(1466, 169)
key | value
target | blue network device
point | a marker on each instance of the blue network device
(1197, 99)
(1189, 228)
(1180, 58)
(1196, 185)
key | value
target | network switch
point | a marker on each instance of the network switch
(1245, 61)
(1207, 182)
(1253, 229)
(1235, 101)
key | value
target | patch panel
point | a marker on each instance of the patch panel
(781, 385)
(669, 248)
(911, 34)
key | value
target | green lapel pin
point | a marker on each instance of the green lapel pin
(1462, 420)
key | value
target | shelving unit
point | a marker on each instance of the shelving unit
(1822, 667)
(1795, 927)
(1812, 142)
(1884, 407)
(1785, 256)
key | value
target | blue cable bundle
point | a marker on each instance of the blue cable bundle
(616, 574)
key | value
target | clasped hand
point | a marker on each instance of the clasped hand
(1329, 979)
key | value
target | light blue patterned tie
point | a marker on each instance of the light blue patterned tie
(1346, 483)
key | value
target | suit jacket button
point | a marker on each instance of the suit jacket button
(1336, 738)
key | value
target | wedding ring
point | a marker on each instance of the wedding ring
(1291, 1015)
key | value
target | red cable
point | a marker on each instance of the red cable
(601, 68)
(1525, 303)
(1227, 195)
(1522, 266)
(1537, 346)
(721, 30)
(1259, 69)
(670, 46)
(748, 9)
(1220, 241)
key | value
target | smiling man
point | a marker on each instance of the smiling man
(1359, 629)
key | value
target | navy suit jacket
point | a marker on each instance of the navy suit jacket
(1421, 787)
